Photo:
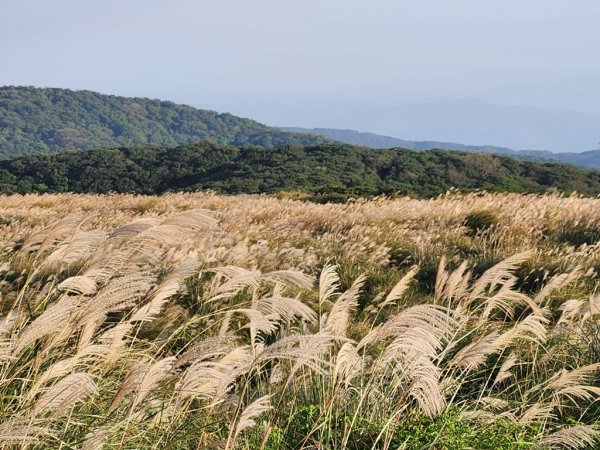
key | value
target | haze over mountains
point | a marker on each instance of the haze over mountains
(472, 122)
(589, 159)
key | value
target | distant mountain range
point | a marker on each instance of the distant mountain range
(589, 159)
(48, 120)
(468, 121)
(34, 120)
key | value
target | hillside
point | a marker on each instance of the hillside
(34, 120)
(332, 171)
(374, 140)
(589, 159)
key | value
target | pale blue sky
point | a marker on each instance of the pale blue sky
(309, 63)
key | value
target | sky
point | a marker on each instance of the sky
(311, 63)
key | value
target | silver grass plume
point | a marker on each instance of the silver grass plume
(571, 438)
(141, 380)
(80, 285)
(248, 416)
(60, 398)
(95, 439)
(400, 288)
(171, 285)
(499, 274)
(575, 384)
(557, 282)
(52, 321)
(339, 316)
(348, 364)
(22, 433)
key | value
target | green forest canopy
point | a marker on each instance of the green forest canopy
(34, 120)
(329, 170)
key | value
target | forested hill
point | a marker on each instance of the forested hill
(329, 171)
(36, 120)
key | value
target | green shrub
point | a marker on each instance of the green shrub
(481, 220)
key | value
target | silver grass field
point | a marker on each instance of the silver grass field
(259, 322)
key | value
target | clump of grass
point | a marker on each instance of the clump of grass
(482, 220)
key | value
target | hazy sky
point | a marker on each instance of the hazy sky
(295, 62)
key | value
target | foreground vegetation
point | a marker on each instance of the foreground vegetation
(327, 172)
(204, 321)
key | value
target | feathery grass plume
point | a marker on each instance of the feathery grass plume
(6, 347)
(301, 350)
(574, 384)
(285, 308)
(538, 412)
(339, 316)
(277, 375)
(118, 295)
(60, 398)
(248, 416)
(107, 263)
(213, 380)
(79, 284)
(134, 228)
(557, 282)
(115, 338)
(74, 251)
(95, 439)
(489, 410)
(400, 288)
(23, 433)
(64, 366)
(441, 278)
(329, 283)
(130, 383)
(149, 246)
(142, 380)
(289, 277)
(531, 328)
(148, 243)
(570, 310)
(456, 284)
(504, 372)
(436, 319)
(348, 364)
(259, 322)
(423, 384)
(206, 349)
(236, 279)
(572, 438)
(171, 285)
(493, 404)
(505, 300)
(10, 321)
(54, 320)
(499, 274)
(474, 355)
(56, 232)
(195, 219)
(584, 310)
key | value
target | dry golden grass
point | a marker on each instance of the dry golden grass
(207, 321)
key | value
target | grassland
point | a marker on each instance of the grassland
(207, 321)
